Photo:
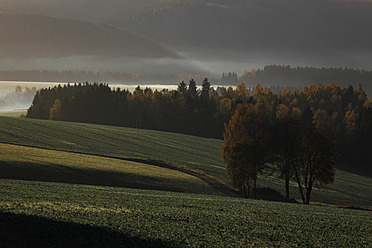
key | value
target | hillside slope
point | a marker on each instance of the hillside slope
(34, 164)
(199, 154)
(94, 10)
(290, 25)
(221, 35)
(24, 36)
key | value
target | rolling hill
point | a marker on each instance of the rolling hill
(34, 164)
(254, 32)
(194, 154)
(25, 36)
(38, 211)
(94, 10)
(270, 25)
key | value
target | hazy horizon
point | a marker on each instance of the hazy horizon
(208, 36)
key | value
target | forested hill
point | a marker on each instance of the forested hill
(25, 36)
(233, 24)
(270, 25)
(343, 114)
(285, 75)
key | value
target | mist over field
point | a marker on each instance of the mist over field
(208, 36)
(240, 61)
(120, 64)
(159, 38)
(18, 98)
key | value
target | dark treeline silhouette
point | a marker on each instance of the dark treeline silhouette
(339, 113)
(229, 78)
(303, 76)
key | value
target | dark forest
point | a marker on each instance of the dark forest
(343, 114)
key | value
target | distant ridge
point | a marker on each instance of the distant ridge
(27, 36)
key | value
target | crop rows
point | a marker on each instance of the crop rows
(180, 219)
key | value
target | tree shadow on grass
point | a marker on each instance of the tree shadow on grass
(31, 231)
(269, 194)
(365, 171)
(30, 171)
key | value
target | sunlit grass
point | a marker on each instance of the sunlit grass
(18, 162)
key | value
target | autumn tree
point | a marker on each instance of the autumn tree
(56, 110)
(317, 158)
(225, 109)
(282, 112)
(243, 150)
(242, 93)
(322, 121)
(286, 138)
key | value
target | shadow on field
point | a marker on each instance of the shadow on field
(62, 174)
(30, 231)
(364, 171)
(269, 194)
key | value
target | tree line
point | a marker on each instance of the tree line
(343, 114)
(229, 78)
(303, 76)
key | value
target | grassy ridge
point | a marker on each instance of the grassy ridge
(18, 162)
(194, 152)
(186, 219)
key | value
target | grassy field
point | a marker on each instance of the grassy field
(64, 198)
(18, 162)
(195, 152)
(93, 216)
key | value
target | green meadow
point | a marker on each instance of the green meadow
(131, 217)
(79, 185)
(196, 153)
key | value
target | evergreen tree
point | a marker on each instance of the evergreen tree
(182, 88)
(192, 88)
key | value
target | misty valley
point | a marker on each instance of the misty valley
(15, 95)
(185, 123)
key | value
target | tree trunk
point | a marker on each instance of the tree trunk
(287, 177)
(243, 191)
(255, 188)
(308, 192)
(246, 189)
(287, 188)
(300, 187)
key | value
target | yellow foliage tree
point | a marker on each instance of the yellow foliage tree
(282, 111)
(56, 111)
(243, 149)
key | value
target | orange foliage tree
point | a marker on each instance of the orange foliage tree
(243, 150)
